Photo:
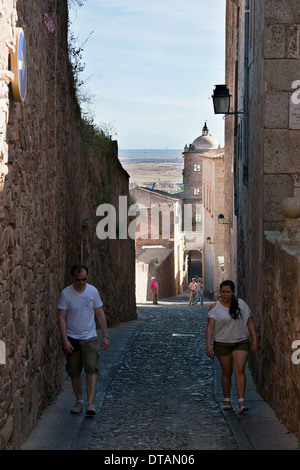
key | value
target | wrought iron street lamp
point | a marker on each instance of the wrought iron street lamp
(221, 100)
(221, 220)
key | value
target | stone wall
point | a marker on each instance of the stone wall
(277, 362)
(262, 148)
(277, 375)
(213, 203)
(192, 176)
(52, 178)
(230, 239)
(262, 169)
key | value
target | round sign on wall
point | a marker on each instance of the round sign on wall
(19, 67)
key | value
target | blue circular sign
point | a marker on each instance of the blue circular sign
(19, 67)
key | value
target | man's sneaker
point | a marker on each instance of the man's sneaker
(77, 408)
(90, 409)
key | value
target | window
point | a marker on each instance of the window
(198, 218)
(196, 191)
(197, 167)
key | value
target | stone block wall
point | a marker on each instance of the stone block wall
(192, 179)
(214, 204)
(262, 169)
(277, 375)
(52, 178)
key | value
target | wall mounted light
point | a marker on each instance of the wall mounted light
(221, 100)
(221, 220)
(209, 242)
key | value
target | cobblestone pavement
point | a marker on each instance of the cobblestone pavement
(162, 396)
(157, 391)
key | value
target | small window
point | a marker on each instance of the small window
(196, 191)
(197, 167)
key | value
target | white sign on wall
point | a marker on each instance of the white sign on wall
(2, 353)
(294, 116)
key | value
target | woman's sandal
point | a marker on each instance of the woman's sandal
(227, 407)
(242, 408)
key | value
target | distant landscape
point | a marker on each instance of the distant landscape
(148, 166)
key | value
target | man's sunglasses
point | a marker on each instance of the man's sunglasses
(81, 280)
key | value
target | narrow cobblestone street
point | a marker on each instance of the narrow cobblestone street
(162, 396)
(157, 391)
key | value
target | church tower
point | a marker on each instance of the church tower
(195, 158)
(192, 173)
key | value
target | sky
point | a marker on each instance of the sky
(151, 68)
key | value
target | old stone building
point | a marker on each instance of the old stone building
(159, 244)
(204, 192)
(213, 220)
(55, 169)
(192, 172)
(262, 161)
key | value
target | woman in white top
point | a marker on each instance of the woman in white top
(230, 320)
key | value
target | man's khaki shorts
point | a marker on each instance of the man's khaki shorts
(224, 349)
(86, 356)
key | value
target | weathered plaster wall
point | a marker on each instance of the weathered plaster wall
(160, 264)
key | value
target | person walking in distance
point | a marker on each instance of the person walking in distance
(199, 292)
(77, 307)
(192, 289)
(154, 289)
(230, 320)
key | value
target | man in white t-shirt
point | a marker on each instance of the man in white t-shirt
(77, 307)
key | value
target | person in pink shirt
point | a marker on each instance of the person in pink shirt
(193, 289)
(154, 289)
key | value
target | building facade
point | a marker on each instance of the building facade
(262, 169)
(213, 222)
(204, 194)
(159, 243)
(192, 172)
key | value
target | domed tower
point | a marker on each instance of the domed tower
(196, 156)
(192, 173)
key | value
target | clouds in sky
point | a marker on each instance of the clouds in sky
(152, 67)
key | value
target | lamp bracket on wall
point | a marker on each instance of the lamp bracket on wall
(221, 101)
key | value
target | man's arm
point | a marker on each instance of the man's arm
(103, 325)
(67, 346)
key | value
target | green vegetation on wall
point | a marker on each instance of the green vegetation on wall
(96, 141)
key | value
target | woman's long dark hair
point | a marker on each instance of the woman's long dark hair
(234, 309)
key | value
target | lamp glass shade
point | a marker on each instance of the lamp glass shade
(221, 99)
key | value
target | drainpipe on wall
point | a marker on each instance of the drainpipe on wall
(246, 96)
